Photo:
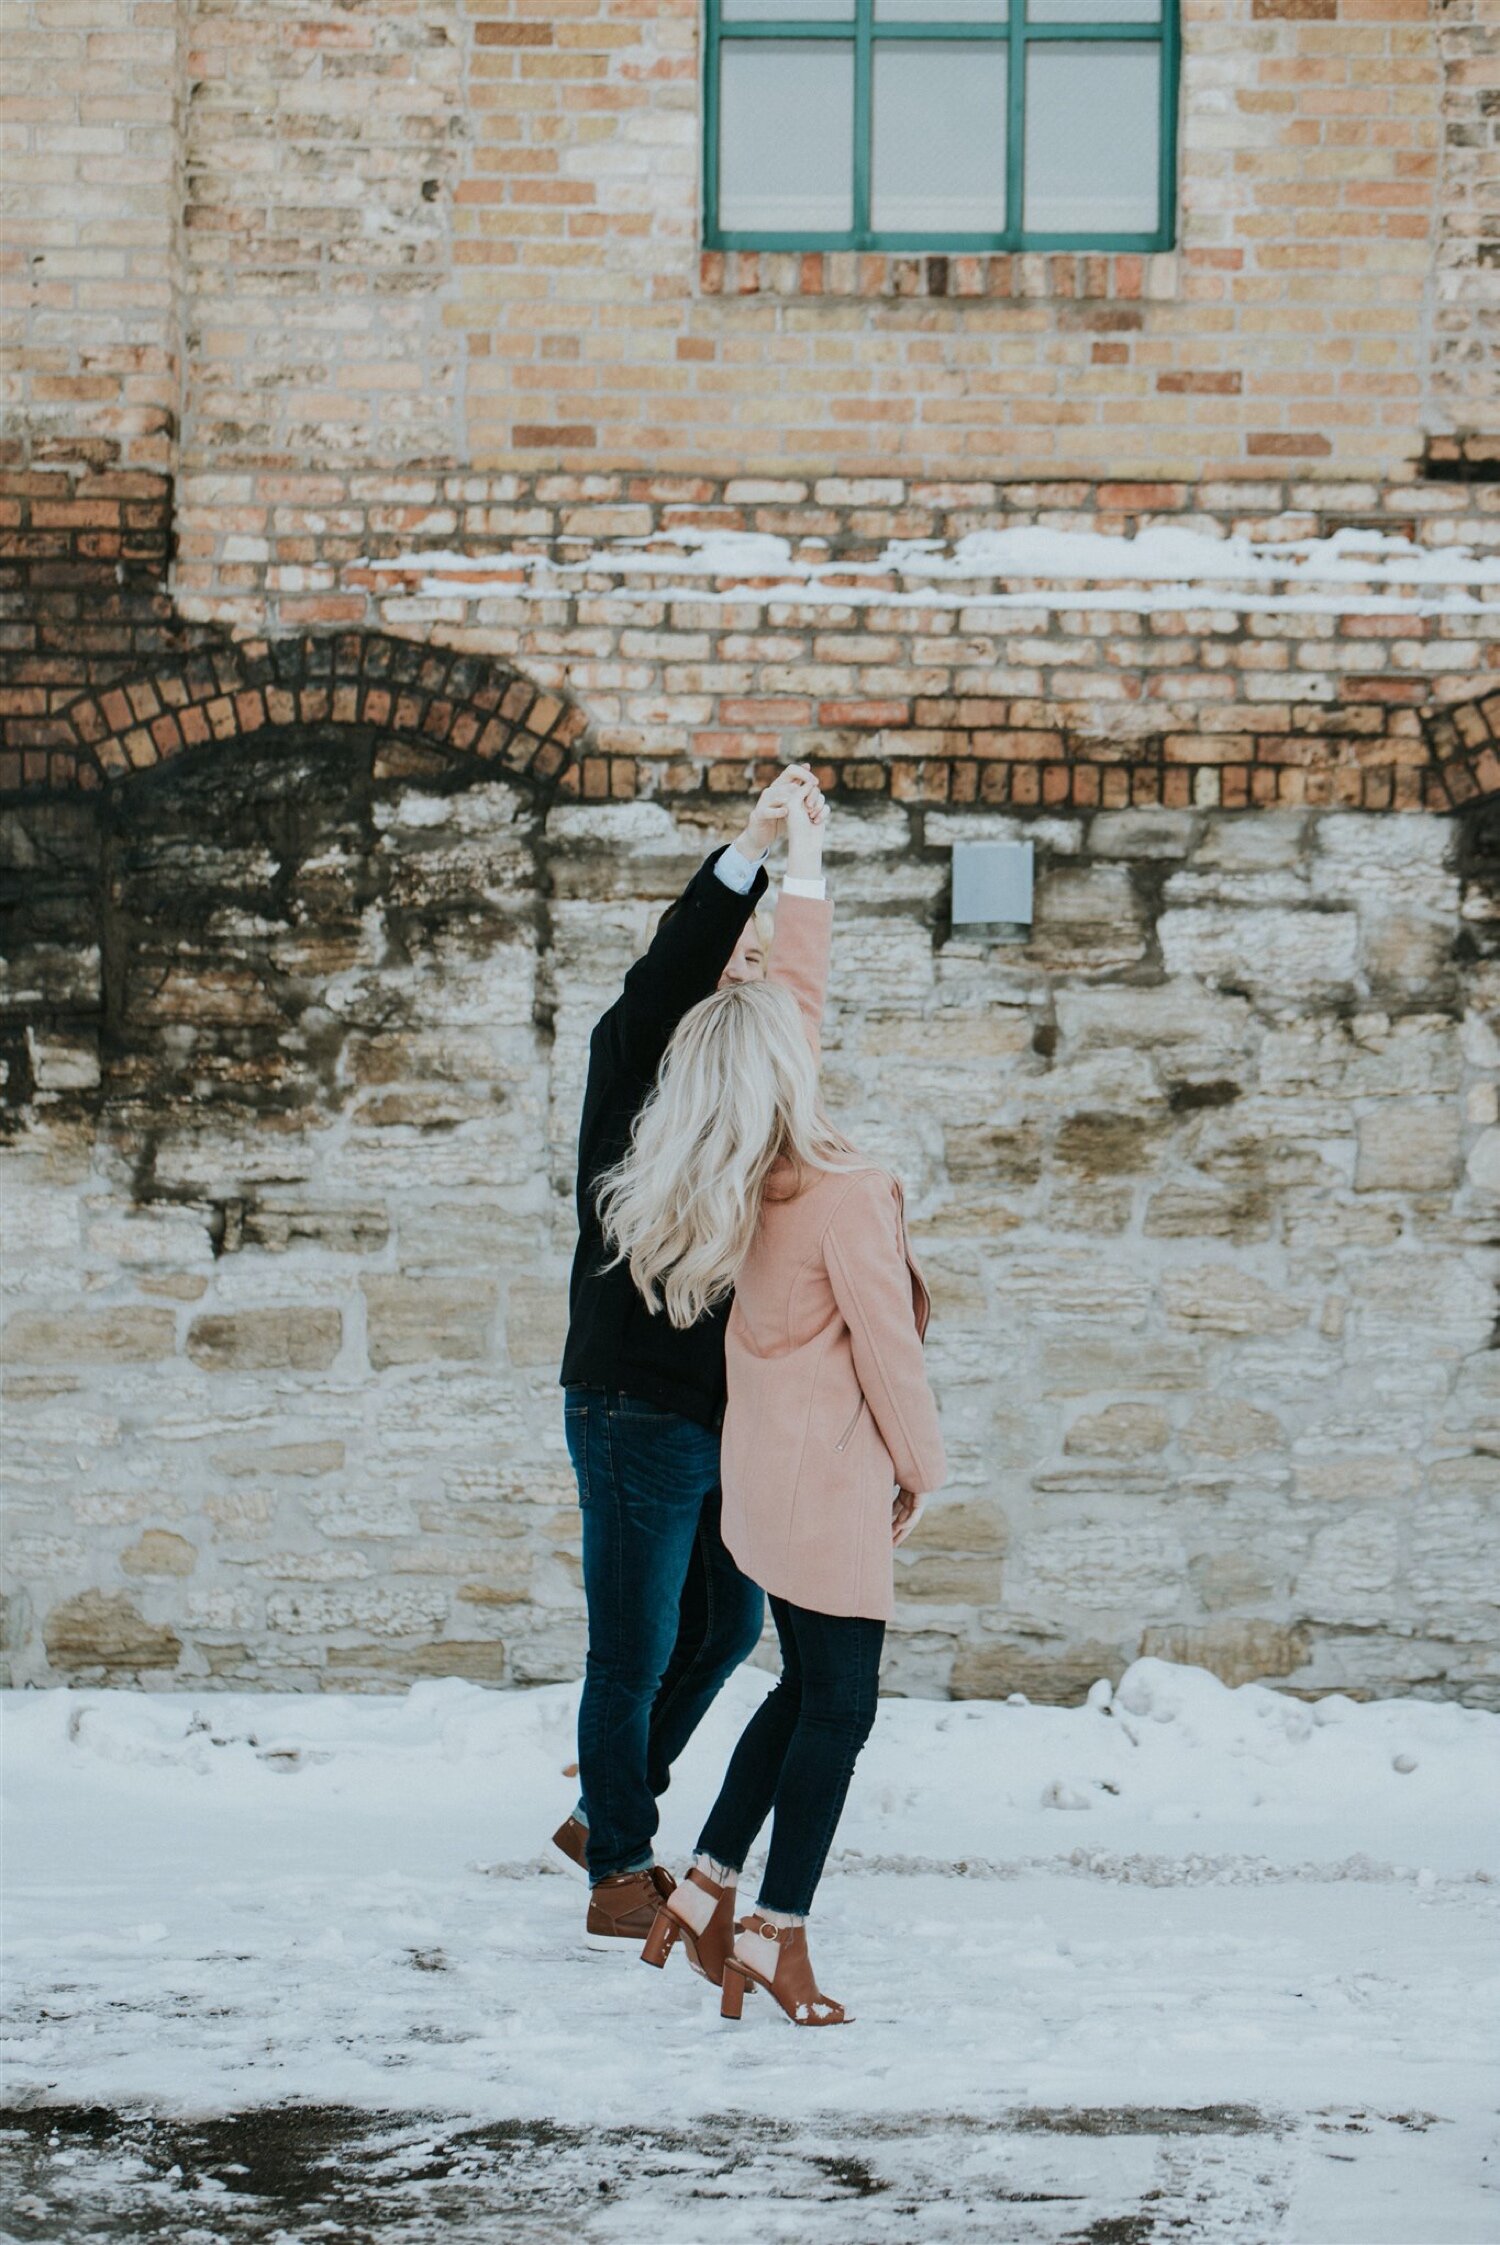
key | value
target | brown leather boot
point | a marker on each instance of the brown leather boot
(624, 1908)
(701, 1916)
(774, 1957)
(570, 1841)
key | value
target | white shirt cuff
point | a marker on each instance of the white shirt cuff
(817, 887)
(737, 871)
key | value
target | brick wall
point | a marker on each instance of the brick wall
(93, 135)
(415, 544)
(1288, 326)
(469, 233)
(1465, 281)
(1234, 645)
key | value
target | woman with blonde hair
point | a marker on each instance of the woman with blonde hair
(736, 1179)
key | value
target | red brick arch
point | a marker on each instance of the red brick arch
(431, 697)
(1465, 743)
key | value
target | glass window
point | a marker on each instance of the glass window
(927, 182)
(1093, 118)
(940, 124)
(788, 126)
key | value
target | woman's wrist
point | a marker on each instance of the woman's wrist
(804, 853)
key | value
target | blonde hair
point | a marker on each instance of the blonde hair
(738, 1089)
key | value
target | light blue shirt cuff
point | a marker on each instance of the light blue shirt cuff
(737, 871)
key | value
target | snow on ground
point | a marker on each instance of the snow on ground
(1183, 1963)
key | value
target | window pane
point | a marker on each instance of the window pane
(779, 11)
(940, 11)
(1092, 132)
(1094, 11)
(786, 136)
(939, 134)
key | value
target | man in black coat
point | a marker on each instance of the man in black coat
(670, 1614)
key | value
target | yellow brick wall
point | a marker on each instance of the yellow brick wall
(1288, 327)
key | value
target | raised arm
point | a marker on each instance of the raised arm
(695, 937)
(804, 918)
(871, 1282)
(692, 946)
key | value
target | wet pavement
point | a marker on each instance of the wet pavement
(1214, 2175)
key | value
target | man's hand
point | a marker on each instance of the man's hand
(769, 814)
(905, 1513)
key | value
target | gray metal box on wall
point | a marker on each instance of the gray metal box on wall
(992, 882)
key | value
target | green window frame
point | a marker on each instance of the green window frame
(1020, 35)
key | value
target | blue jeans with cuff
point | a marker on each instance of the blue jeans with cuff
(670, 1615)
(797, 1753)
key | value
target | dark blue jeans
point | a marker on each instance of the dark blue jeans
(797, 1753)
(670, 1614)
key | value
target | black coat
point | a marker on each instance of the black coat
(613, 1339)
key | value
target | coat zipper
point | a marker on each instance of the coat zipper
(847, 1436)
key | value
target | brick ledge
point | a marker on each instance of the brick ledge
(1021, 276)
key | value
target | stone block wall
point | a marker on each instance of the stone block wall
(1203, 1173)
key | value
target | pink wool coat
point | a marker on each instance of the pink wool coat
(829, 1406)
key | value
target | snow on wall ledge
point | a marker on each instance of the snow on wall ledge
(1361, 572)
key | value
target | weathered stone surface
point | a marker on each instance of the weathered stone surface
(414, 1320)
(966, 1525)
(1210, 1212)
(301, 1460)
(1455, 1563)
(476, 1660)
(1124, 1430)
(1009, 1156)
(1484, 1162)
(1086, 1556)
(1229, 1579)
(124, 1336)
(1366, 1477)
(385, 1613)
(159, 1552)
(1162, 1019)
(998, 1033)
(1150, 833)
(99, 1631)
(1057, 1674)
(1272, 839)
(949, 1579)
(64, 1060)
(1201, 1376)
(342, 1564)
(1102, 1144)
(214, 1611)
(1290, 953)
(1220, 1298)
(289, 1339)
(536, 1320)
(1408, 1148)
(1087, 1365)
(1089, 920)
(1351, 1571)
(1229, 1427)
(1237, 1652)
(1371, 1055)
(240, 1515)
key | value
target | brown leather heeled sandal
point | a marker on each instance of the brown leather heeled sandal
(705, 1945)
(774, 1957)
(622, 1908)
